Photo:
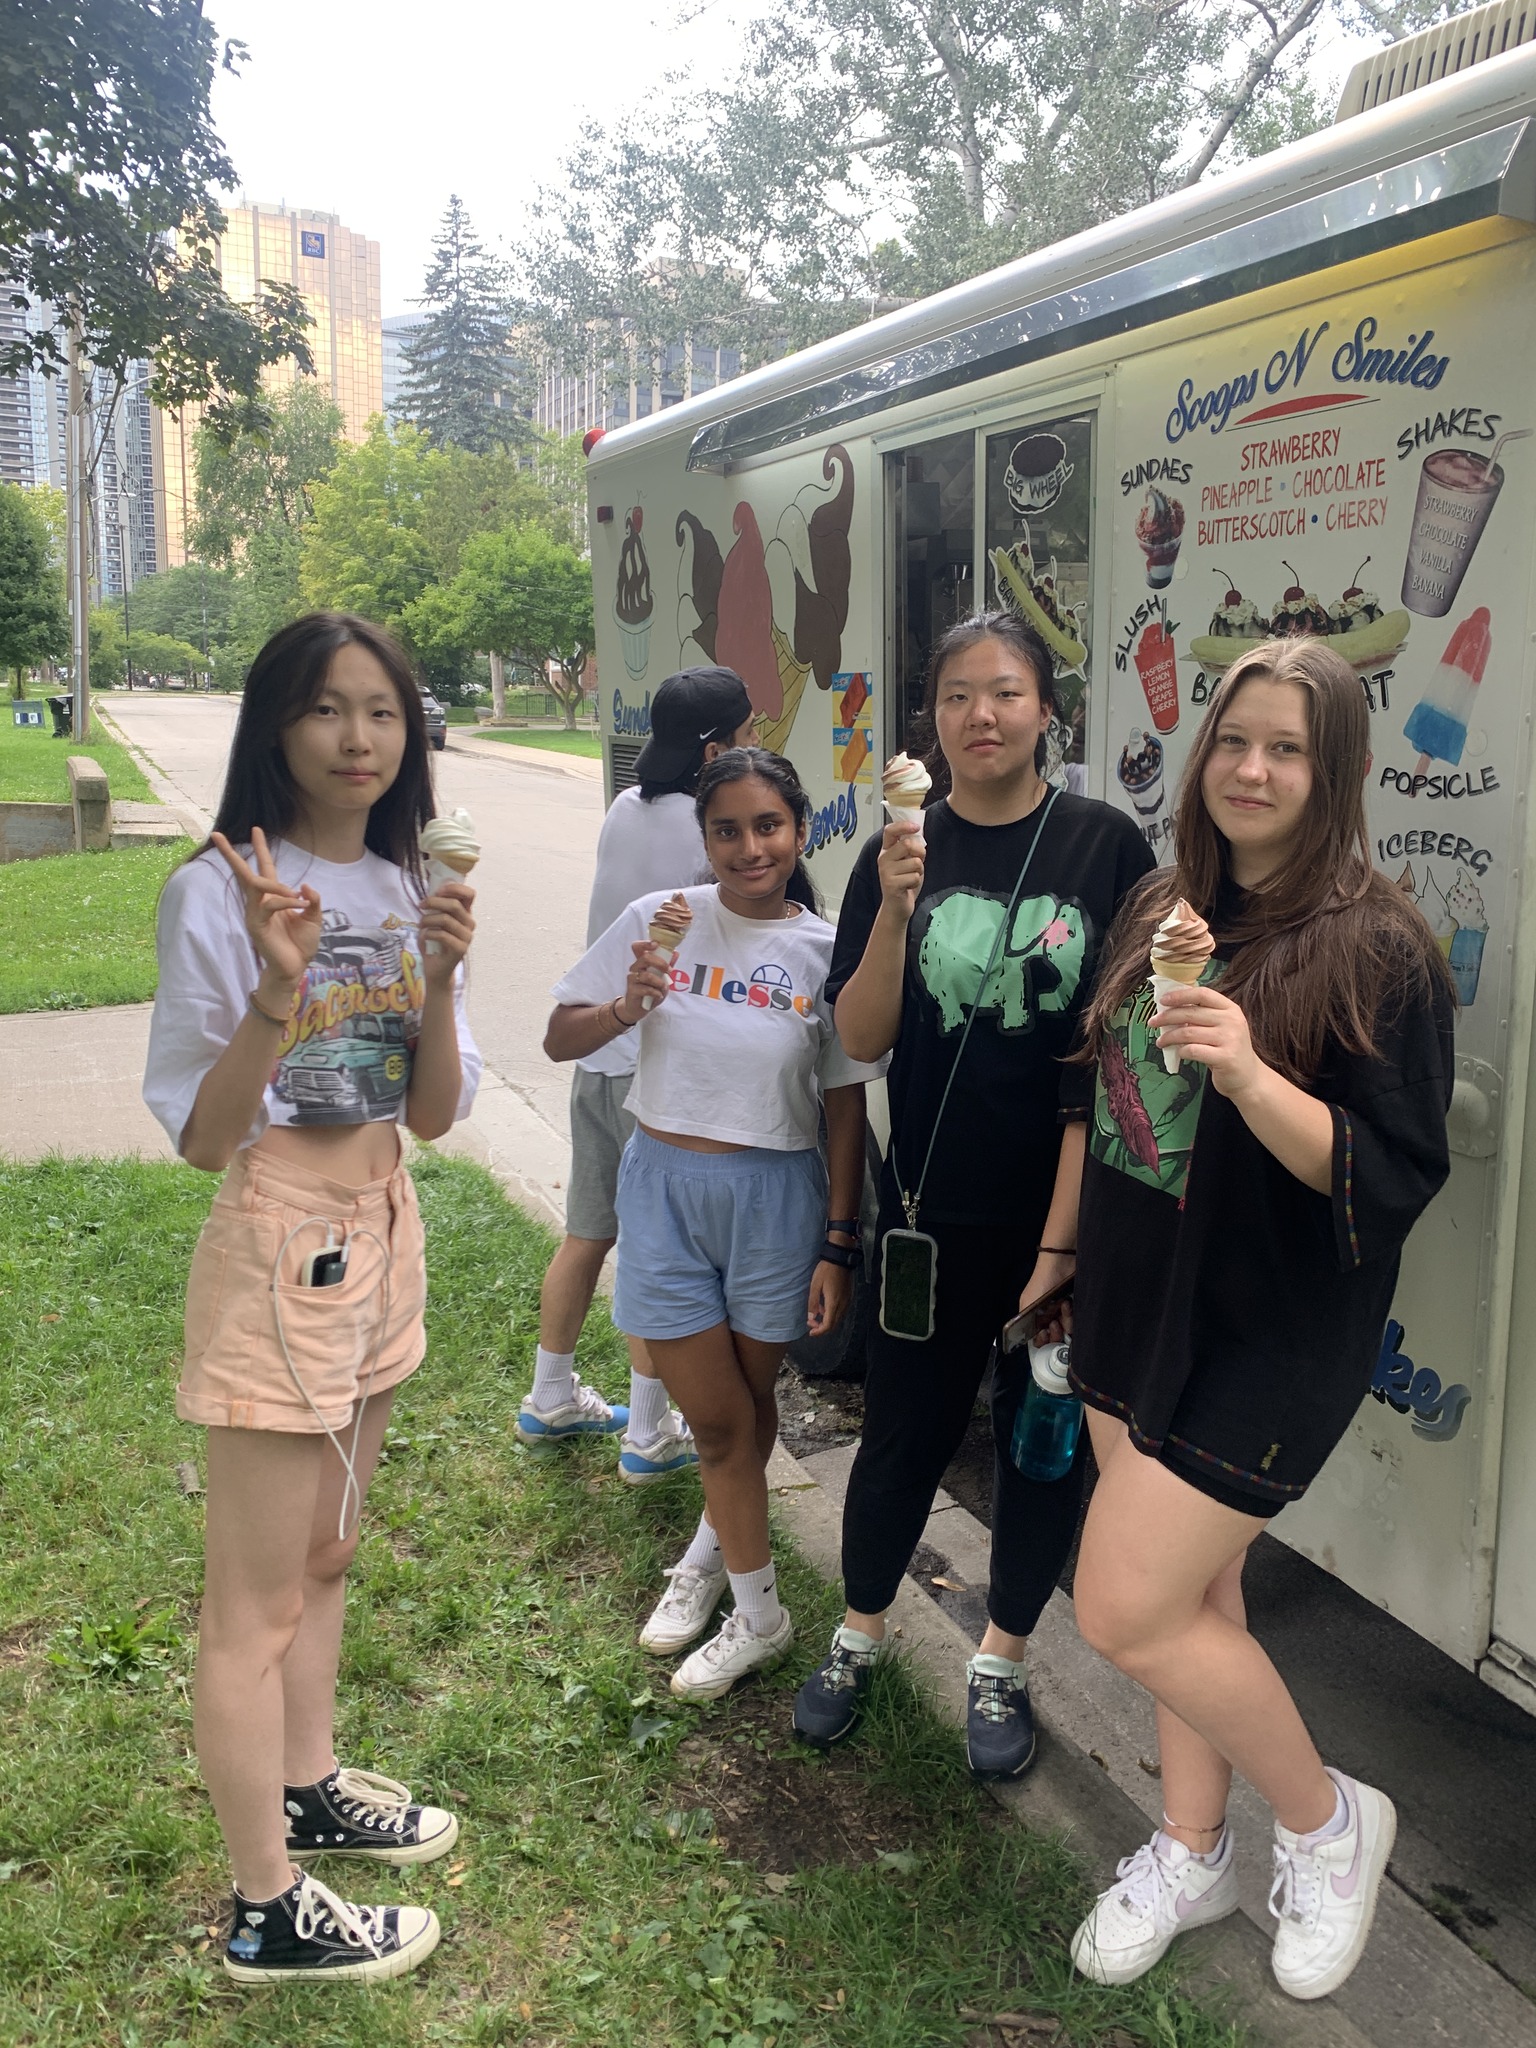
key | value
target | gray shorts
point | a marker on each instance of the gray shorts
(600, 1128)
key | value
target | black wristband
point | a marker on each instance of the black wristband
(848, 1225)
(842, 1254)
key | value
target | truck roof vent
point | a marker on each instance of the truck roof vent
(1438, 53)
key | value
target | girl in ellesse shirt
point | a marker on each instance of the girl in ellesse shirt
(729, 1246)
(310, 1001)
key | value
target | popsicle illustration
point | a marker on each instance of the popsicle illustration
(1437, 724)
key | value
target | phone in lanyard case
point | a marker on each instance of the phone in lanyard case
(909, 1275)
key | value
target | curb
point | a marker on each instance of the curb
(463, 739)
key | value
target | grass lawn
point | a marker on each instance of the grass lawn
(554, 739)
(32, 764)
(632, 1873)
(80, 927)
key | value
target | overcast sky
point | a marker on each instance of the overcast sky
(376, 111)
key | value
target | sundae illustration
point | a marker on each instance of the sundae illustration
(1141, 776)
(1181, 948)
(1160, 528)
(904, 785)
(1437, 724)
(1033, 595)
(1464, 901)
(1457, 493)
(633, 603)
(1157, 665)
(452, 850)
(1355, 625)
(668, 929)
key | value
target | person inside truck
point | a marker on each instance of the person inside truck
(650, 840)
(1242, 1218)
(734, 1238)
(966, 949)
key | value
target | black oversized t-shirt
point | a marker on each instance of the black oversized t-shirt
(1212, 1283)
(994, 1161)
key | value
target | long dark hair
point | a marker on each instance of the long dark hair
(735, 765)
(1021, 639)
(1327, 948)
(285, 681)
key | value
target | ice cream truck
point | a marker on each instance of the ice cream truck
(1298, 398)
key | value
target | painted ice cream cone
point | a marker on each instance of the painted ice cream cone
(904, 784)
(451, 849)
(1181, 947)
(668, 929)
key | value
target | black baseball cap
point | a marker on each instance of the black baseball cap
(688, 710)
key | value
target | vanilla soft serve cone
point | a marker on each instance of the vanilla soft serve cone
(451, 849)
(1181, 946)
(668, 928)
(904, 785)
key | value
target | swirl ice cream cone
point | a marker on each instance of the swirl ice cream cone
(668, 928)
(904, 784)
(1181, 947)
(452, 850)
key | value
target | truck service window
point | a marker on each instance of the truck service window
(933, 528)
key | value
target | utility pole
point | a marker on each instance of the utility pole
(77, 477)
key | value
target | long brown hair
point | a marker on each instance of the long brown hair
(1326, 948)
(1021, 639)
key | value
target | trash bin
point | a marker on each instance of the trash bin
(63, 709)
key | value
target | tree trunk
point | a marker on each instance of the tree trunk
(498, 688)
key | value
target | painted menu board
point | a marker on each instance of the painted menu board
(1362, 468)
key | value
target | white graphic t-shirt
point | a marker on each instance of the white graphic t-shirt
(737, 1049)
(345, 1054)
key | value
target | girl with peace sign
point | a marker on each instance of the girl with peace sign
(310, 1001)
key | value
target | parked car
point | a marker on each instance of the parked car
(437, 719)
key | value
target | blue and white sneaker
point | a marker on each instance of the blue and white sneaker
(670, 1450)
(585, 1414)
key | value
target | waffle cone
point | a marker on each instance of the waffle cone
(1185, 972)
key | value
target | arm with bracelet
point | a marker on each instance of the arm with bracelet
(832, 1281)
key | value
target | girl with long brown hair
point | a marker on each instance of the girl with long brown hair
(1241, 1223)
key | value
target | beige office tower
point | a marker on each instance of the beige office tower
(337, 271)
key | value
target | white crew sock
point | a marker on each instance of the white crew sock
(1330, 1828)
(703, 1553)
(756, 1600)
(1211, 1856)
(647, 1407)
(552, 1374)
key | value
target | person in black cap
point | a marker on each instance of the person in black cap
(650, 840)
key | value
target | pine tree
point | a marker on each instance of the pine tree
(460, 386)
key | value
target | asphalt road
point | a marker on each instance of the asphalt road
(538, 817)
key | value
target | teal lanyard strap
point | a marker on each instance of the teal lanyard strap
(911, 1203)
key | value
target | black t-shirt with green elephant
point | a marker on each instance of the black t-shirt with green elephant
(995, 1157)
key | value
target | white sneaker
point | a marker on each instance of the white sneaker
(683, 1611)
(1324, 1894)
(716, 1665)
(586, 1413)
(1161, 1891)
(672, 1449)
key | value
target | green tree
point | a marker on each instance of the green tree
(190, 603)
(34, 626)
(364, 551)
(108, 167)
(519, 596)
(459, 387)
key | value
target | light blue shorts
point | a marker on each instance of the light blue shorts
(717, 1237)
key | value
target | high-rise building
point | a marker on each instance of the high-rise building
(398, 329)
(610, 394)
(127, 489)
(337, 273)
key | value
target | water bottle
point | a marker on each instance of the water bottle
(1050, 1417)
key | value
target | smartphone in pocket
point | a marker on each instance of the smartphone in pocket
(1020, 1330)
(324, 1268)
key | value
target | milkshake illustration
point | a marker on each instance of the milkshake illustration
(1457, 492)
(1464, 901)
(1160, 529)
(633, 603)
(1141, 777)
(1157, 666)
(1437, 724)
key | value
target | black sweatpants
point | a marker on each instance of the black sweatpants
(918, 1402)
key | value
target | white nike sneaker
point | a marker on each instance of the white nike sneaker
(1160, 1892)
(683, 1611)
(718, 1664)
(1324, 1894)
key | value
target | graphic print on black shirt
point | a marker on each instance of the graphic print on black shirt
(345, 1054)
(1144, 1118)
(994, 1160)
